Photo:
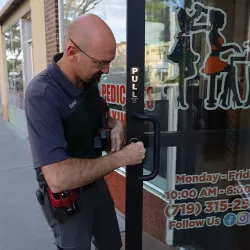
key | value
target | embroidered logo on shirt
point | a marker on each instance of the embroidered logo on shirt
(72, 104)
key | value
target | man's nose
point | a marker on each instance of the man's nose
(105, 69)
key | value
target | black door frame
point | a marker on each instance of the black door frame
(135, 58)
(134, 129)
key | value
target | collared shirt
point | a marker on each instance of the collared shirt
(50, 97)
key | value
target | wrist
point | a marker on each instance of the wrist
(119, 123)
(112, 123)
(121, 157)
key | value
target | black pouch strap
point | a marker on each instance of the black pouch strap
(40, 196)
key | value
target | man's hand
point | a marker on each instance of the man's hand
(117, 136)
(134, 153)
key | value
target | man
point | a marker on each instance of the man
(64, 115)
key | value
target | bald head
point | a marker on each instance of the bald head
(90, 47)
(90, 31)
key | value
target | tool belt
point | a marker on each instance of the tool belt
(62, 204)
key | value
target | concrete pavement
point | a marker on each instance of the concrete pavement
(22, 225)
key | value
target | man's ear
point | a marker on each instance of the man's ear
(71, 53)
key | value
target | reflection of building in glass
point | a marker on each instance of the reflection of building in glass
(155, 64)
(119, 63)
(18, 60)
(20, 26)
(159, 37)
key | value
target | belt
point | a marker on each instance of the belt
(43, 186)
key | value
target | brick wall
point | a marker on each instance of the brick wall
(52, 28)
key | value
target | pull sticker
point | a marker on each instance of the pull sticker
(135, 84)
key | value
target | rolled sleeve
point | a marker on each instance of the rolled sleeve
(45, 129)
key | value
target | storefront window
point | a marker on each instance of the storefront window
(14, 59)
(197, 73)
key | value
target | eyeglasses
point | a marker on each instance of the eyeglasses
(98, 63)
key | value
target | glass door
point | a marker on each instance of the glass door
(188, 100)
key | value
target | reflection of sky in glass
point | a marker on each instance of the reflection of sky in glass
(114, 13)
(2, 2)
(153, 31)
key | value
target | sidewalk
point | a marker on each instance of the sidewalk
(22, 225)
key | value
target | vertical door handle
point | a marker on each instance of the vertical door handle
(156, 158)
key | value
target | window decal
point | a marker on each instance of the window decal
(218, 67)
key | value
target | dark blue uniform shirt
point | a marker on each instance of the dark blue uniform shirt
(50, 97)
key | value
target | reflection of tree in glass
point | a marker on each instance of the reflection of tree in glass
(75, 8)
(157, 11)
(8, 51)
(17, 50)
(13, 49)
(13, 52)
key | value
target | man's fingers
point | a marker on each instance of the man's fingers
(113, 143)
(117, 137)
(118, 143)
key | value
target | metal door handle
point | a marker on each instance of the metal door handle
(157, 131)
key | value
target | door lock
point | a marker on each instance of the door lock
(133, 140)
